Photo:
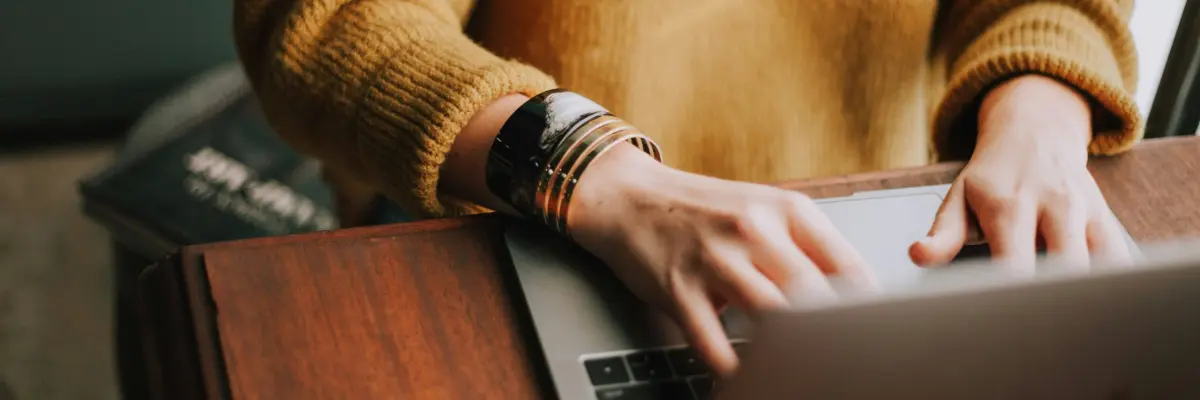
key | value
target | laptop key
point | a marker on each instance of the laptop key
(703, 387)
(630, 393)
(672, 390)
(686, 362)
(606, 371)
(639, 392)
(669, 390)
(649, 365)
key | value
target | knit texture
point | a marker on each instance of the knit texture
(757, 91)
(376, 88)
(1082, 43)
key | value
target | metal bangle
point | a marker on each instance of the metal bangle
(551, 200)
(629, 136)
(541, 151)
(528, 138)
(554, 173)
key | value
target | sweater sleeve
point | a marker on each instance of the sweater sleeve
(1083, 43)
(376, 88)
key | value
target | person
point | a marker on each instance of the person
(452, 107)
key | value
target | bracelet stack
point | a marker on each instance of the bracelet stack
(546, 145)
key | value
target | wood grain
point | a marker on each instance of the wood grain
(427, 310)
(411, 313)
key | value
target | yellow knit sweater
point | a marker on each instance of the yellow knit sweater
(754, 90)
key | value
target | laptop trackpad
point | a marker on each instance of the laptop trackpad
(883, 228)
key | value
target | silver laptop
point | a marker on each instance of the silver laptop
(600, 341)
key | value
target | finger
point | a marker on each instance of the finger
(702, 327)
(782, 262)
(1106, 240)
(829, 251)
(948, 234)
(744, 285)
(1011, 231)
(1064, 229)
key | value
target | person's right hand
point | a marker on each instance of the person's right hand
(691, 244)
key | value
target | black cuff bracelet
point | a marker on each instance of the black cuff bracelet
(528, 138)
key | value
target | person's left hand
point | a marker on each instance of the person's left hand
(1027, 181)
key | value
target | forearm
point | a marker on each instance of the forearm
(462, 175)
(380, 90)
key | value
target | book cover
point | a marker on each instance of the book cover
(226, 177)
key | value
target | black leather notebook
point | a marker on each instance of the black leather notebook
(226, 177)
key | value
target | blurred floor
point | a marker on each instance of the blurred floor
(55, 280)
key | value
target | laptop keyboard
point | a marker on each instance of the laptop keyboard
(654, 374)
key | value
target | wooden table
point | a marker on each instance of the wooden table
(430, 310)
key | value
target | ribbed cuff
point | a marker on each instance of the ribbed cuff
(416, 107)
(1053, 40)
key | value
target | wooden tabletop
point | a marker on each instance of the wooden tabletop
(430, 309)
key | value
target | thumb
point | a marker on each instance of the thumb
(948, 234)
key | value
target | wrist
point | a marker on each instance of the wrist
(1039, 108)
(542, 151)
(463, 172)
(622, 174)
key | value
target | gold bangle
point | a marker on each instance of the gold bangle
(551, 171)
(569, 192)
(560, 174)
(556, 195)
(602, 143)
